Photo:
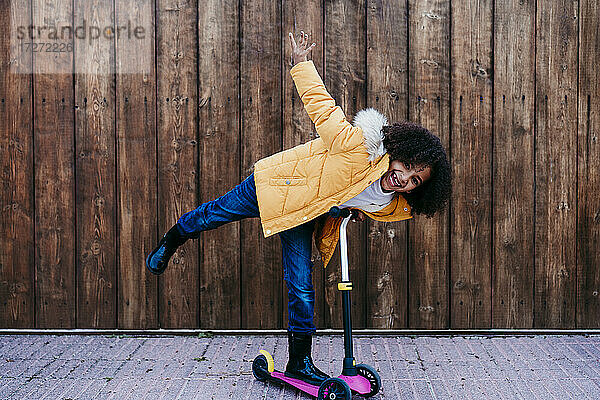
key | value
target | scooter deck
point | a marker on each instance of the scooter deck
(278, 376)
(358, 384)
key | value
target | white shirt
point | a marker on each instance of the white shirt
(372, 199)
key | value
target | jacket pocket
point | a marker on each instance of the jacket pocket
(287, 181)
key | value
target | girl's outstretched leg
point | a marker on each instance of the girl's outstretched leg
(235, 205)
(157, 261)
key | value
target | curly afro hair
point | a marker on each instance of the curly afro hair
(411, 143)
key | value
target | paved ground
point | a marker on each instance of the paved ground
(219, 367)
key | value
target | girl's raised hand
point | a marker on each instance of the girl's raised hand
(300, 50)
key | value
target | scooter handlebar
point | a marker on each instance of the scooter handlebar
(337, 212)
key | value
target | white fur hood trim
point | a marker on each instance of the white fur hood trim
(371, 122)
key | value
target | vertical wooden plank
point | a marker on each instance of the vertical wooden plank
(16, 171)
(219, 132)
(513, 160)
(429, 70)
(260, 69)
(471, 123)
(54, 172)
(177, 155)
(95, 166)
(297, 126)
(588, 201)
(136, 163)
(556, 165)
(345, 79)
(387, 91)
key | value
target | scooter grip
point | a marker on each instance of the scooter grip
(337, 212)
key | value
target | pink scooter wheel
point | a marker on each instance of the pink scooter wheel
(334, 389)
(372, 376)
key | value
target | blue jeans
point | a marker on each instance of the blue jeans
(296, 246)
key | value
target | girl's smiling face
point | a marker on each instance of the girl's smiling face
(403, 177)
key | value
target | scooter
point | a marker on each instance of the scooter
(361, 379)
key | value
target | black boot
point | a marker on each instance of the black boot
(300, 366)
(157, 261)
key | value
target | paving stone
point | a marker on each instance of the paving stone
(592, 349)
(490, 389)
(61, 386)
(403, 390)
(122, 389)
(173, 389)
(31, 388)
(32, 368)
(564, 389)
(588, 387)
(200, 389)
(524, 370)
(457, 389)
(439, 389)
(27, 350)
(423, 390)
(77, 389)
(585, 369)
(97, 369)
(46, 386)
(179, 369)
(8, 386)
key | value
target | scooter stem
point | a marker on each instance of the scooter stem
(349, 367)
(344, 249)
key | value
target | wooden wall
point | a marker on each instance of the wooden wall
(98, 162)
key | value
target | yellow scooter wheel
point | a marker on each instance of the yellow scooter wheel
(262, 366)
(270, 362)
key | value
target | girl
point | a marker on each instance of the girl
(388, 172)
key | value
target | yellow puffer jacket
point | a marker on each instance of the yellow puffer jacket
(300, 184)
